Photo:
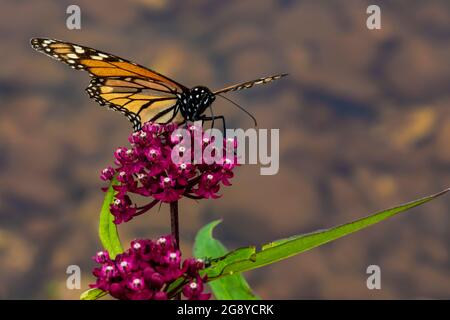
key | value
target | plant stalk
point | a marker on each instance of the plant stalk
(175, 231)
(174, 223)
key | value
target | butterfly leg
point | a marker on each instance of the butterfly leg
(210, 119)
(222, 118)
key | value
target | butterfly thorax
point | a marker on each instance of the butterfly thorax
(194, 102)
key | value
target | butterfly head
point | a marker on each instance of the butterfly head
(195, 102)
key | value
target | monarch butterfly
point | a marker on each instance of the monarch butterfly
(139, 93)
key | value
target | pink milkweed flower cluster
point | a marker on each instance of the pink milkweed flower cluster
(147, 169)
(146, 269)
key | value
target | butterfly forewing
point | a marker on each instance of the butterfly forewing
(117, 83)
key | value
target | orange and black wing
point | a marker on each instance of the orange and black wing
(139, 93)
(249, 84)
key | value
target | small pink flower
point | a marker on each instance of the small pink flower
(107, 174)
(101, 257)
(173, 259)
(122, 209)
(194, 290)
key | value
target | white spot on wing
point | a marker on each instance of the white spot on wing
(78, 49)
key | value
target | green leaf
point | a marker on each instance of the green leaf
(176, 286)
(92, 294)
(288, 247)
(107, 229)
(232, 287)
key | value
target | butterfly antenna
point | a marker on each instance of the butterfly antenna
(238, 106)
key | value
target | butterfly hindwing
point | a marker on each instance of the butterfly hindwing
(117, 83)
(126, 97)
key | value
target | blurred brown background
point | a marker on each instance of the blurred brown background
(364, 124)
